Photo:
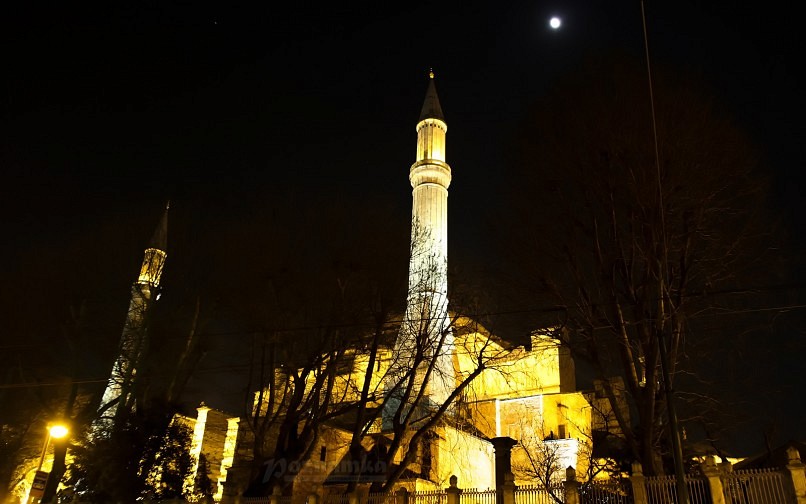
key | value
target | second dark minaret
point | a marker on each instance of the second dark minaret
(118, 396)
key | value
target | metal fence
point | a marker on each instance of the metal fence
(698, 490)
(755, 486)
(607, 492)
(283, 499)
(474, 496)
(431, 497)
(663, 490)
(380, 498)
(539, 495)
(336, 498)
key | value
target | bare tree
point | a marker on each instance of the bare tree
(316, 312)
(380, 374)
(297, 395)
(543, 455)
(408, 384)
(424, 385)
(542, 460)
(627, 249)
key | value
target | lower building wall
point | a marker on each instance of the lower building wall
(468, 457)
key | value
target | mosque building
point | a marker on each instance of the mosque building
(526, 393)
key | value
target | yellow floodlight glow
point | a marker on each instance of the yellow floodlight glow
(57, 431)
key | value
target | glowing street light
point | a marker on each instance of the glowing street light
(555, 23)
(57, 431)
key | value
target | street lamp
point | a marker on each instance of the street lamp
(55, 431)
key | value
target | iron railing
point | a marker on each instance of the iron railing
(539, 494)
(755, 486)
(282, 499)
(474, 496)
(606, 492)
(663, 490)
(380, 498)
(428, 497)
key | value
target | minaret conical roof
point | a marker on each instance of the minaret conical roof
(159, 240)
(431, 106)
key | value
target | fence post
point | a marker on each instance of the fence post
(797, 474)
(711, 472)
(571, 486)
(352, 497)
(276, 492)
(509, 488)
(453, 491)
(402, 496)
(502, 449)
(638, 482)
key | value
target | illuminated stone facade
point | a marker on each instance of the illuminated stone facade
(214, 436)
(528, 394)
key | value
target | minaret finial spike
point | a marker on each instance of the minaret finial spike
(431, 73)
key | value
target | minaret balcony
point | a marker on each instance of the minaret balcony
(151, 270)
(430, 171)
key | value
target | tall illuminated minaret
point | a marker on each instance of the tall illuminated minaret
(426, 326)
(118, 396)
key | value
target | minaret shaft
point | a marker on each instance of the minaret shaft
(430, 177)
(426, 328)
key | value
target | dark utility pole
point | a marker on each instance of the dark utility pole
(674, 429)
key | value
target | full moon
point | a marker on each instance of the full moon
(555, 22)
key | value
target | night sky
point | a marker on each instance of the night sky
(110, 110)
